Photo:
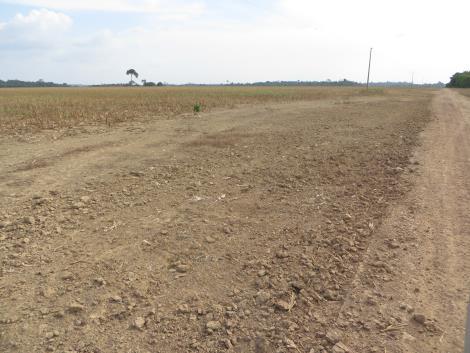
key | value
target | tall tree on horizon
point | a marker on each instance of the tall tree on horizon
(132, 73)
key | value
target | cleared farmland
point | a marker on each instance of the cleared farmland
(277, 220)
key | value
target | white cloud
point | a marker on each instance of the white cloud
(43, 19)
(164, 7)
(37, 29)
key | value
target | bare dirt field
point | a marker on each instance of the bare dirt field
(337, 223)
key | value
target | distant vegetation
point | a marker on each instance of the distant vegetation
(151, 84)
(460, 80)
(326, 83)
(344, 82)
(38, 83)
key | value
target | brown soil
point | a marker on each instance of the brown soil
(300, 227)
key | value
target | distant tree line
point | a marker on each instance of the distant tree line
(38, 83)
(344, 82)
(341, 83)
(460, 80)
(407, 84)
(151, 84)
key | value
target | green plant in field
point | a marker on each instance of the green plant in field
(197, 108)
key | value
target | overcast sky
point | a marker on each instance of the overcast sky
(213, 41)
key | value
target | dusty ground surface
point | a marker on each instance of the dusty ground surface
(326, 226)
(422, 248)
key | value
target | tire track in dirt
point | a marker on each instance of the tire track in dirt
(414, 285)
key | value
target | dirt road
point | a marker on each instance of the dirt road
(306, 227)
(424, 245)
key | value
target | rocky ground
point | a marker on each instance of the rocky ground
(259, 229)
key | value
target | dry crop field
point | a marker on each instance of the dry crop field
(51, 108)
(254, 226)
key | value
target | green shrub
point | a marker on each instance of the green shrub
(197, 107)
(460, 80)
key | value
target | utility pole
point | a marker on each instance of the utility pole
(412, 79)
(368, 72)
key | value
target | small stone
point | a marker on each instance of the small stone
(28, 220)
(213, 325)
(290, 344)
(332, 336)
(85, 199)
(419, 318)
(39, 202)
(283, 305)
(99, 281)
(5, 224)
(66, 276)
(371, 301)
(340, 347)
(184, 309)
(182, 268)
(210, 240)
(261, 273)
(137, 174)
(297, 285)
(329, 295)
(139, 323)
(407, 337)
(115, 298)
(226, 343)
(282, 254)
(407, 308)
(77, 205)
(75, 308)
(52, 334)
(262, 297)
(262, 345)
(48, 292)
(59, 314)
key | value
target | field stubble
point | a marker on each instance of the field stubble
(30, 110)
